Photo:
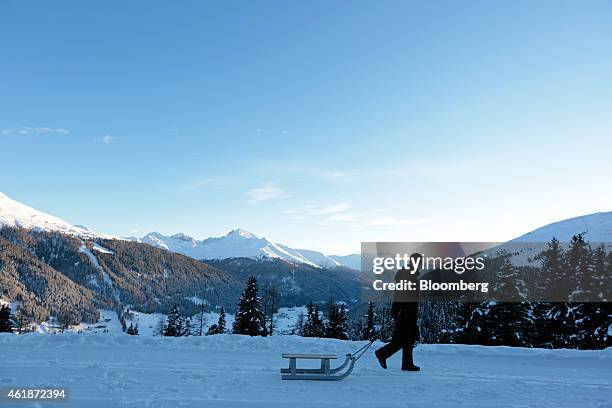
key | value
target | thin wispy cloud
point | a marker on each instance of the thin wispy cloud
(310, 210)
(204, 182)
(343, 215)
(348, 176)
(107, 139)
(265, 192)
(393, 221)
(332, 209)
(295, 168)
(28, 130)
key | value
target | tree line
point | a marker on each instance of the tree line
(577, 273)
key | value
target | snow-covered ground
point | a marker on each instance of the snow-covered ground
(238, 371)
(149, 323)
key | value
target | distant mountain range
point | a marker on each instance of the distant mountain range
(239, 243)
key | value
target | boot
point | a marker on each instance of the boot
(407, 362)
(381, 358)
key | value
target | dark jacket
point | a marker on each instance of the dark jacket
(405, 307)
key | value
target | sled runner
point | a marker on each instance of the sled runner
(325, 373)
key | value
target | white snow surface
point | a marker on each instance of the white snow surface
(239, 371)
(237, 243)
(596, 227)
(92, 258)
(16, 214)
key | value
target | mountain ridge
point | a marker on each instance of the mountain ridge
(238, 243)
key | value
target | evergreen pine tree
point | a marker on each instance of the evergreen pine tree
(298, 329)
(597, 287)
(318, 327)
(385, 323)
(554, 271)
(336, 327)
(369, 330)
(579, 265)
(219, 327)
(555, 322)
(607, 280)
(307, 330)
(264, 325)
(313, 327)
(356, 330)
(591, 319)
(186, 330)
(6, 325)
(506, 322)
(221, 322)
(249, 318)
(174, 324)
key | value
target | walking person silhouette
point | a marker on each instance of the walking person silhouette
(404, 312)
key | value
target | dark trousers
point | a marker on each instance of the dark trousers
(402, 339)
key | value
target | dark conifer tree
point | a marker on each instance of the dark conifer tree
(313, 327)
(307, 329)
(506, 321)
(578, 268)
(249, 318)
(608, 278)
(318, 326)
(221, 322)
(132, 330)
(369, 330)
(385, 323)
(597, 287)
(6, 324)
(186, 330)
(336, 327)
(174, 324)
(219, 327)
(554, 322)
(299, 325)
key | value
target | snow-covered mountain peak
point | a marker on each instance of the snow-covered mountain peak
(183, 237)
(16, 214)
(238, 243)
(241, 233)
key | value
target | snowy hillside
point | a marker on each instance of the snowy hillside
(240, 371)
(596, 228)
(237, 243)
(16, 214)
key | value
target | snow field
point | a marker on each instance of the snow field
(241, 371)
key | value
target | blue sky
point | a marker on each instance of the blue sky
(315, 124)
